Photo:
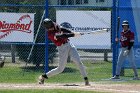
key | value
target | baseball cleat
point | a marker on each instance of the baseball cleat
(136, 78)
(41, 79)
(87, 83)
(115, 77)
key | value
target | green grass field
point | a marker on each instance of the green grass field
(14, 74)
(46, 91)
(98, 72)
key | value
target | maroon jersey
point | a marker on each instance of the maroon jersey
(51, 36)
(126, 38)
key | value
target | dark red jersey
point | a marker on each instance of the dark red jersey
(126, 38)
(51, 36)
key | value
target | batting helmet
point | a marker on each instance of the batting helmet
(48, 23)
(125, 23)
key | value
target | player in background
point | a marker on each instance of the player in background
(59, 36)
(127, 42)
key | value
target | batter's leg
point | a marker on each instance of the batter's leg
(76, 59)
(63, 55)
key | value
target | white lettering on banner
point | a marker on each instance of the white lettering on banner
(15, 26)
(137, 53)
(7, 28)
(86, 21)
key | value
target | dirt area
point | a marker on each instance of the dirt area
(112, 88)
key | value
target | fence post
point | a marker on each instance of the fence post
(105, 55)
(46, 40)
(13, 53)
(114, 15)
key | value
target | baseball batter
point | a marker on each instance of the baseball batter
(127, 41)
(59, 36)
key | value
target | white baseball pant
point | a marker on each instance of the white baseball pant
(65, 50)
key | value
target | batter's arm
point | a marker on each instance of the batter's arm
(65, 30)
(66, 33)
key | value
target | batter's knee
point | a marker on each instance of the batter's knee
(60, 69)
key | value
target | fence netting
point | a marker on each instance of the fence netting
(95, 50)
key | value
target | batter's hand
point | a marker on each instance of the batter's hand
(58, 35)
(126, 52)
(77, 34)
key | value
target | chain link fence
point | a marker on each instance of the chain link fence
(97, 60)
(18, 53)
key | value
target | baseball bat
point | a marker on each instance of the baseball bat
(95, 32)
(118, 27)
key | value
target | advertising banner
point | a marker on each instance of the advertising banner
(87, 21)
(16, 27)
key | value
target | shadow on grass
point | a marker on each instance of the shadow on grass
(42, 69)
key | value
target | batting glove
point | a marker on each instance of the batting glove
(77, 34)
(126, 52)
